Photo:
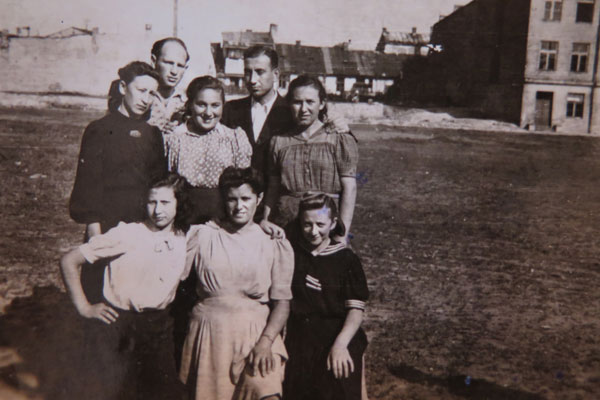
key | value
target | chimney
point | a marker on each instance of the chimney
(248, 30)
(273, 28)
(298, 42)
(414, 30)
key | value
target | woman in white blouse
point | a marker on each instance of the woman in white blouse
(202, 148)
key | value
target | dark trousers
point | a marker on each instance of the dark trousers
(131, 358)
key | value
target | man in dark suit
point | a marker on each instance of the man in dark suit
(264, 113)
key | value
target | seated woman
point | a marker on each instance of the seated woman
(233, 349)
(129, 339)
(324, 338)
(314, 157)
(202, 148)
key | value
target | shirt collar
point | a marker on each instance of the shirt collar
(267, 106)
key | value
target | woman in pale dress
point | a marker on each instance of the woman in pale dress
(233, 349)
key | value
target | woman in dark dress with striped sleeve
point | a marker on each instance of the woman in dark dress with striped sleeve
(324, 339)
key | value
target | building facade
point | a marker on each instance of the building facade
(533, 62)
(355, 74)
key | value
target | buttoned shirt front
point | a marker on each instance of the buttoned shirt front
(259, 115)
(162, 110)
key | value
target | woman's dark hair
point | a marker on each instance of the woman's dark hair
(199, 84)
(233, 177)
(159, 44)
(134, 69)
(181, 189)
(317, 201)
(308, 80)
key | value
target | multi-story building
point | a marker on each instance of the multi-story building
(534, 62)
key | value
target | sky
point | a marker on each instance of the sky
(314, 22)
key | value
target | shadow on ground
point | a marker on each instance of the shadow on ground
(461, 385)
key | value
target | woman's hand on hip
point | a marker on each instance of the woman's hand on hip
(100, 311)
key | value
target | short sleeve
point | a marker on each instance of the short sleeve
(273, 164)
(282, 270)
(242, 150)
(356, 292)
(107, 245)
(346, 154)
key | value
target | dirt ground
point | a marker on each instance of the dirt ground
(481, 250)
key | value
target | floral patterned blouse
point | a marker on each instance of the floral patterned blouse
(201, 158)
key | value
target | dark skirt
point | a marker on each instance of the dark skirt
(308, 342)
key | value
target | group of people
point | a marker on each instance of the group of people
(251, 200)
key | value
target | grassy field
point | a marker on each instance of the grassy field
(481, 251)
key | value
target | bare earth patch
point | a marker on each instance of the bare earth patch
(481, 251)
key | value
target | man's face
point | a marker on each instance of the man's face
(137, 94)
(170, 64)
(259, 76)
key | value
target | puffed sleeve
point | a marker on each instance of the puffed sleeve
(242, 149)
(346, 154)
(85, 204)
(282, 270)
(192, 247)
(273, 159)
(107, 245)
(355, 284)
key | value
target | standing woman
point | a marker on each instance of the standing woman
(233, 349)
(324, 338)
(313, 157)
(202, 148)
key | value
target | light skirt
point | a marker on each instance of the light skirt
(223, 331)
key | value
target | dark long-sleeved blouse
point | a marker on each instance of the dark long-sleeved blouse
(118, 159)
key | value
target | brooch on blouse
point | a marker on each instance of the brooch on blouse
(164, 245)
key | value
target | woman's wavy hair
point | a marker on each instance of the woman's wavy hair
(318, 201)
(312, 81)
(233, 177)
(196, 86)
(181, 188)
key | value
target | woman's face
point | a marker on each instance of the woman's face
(207, 109)
(316, 225)
(306, 105)
(241, 203)
(161, 207)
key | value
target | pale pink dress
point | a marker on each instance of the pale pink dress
(238, 273)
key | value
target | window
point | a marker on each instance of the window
(553, 11)
(585, 11)
(579, 57)
(548, 54)
(575, 105)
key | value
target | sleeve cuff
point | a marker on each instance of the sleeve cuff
(358, 304)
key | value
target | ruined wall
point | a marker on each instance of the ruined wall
(83, 64)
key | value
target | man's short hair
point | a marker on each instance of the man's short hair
(136, 68)
(159, 44)
(257, 51)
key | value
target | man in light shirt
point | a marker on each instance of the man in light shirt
(170, 59)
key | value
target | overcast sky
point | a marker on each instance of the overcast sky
(316, 22)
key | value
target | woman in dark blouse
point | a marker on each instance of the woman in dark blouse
(324, 339)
